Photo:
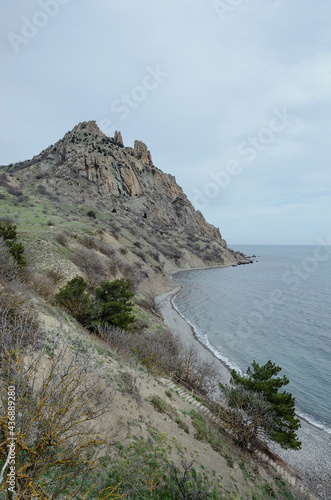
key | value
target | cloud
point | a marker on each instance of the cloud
(225, 80)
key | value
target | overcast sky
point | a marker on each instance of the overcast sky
(232, 97)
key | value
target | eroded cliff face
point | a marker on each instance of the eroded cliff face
(127, 179)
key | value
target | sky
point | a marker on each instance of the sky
(232, 97)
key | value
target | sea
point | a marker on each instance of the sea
(278, 309)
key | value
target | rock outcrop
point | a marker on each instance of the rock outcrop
(118, 138)
(142, 153)
(126, 178)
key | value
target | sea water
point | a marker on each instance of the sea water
(278, 308)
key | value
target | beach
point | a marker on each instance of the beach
(313, 460)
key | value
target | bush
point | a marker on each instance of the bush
(43, 286)
(74, 299)
(248, 415)
(16, 249)
(55, 275)
(61, 237)
(91, 264)
(18, 319)
(191, 369)
(91, 214)
(161, 353)
(9, 269)
(58, 408)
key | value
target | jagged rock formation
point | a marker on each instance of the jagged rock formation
(142, 153)
(126, 180)
(118, 137)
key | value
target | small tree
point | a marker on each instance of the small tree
(9, 235)
(75, 300)
(263, 380)
(59, 404)
(113, 303)
(246, 414)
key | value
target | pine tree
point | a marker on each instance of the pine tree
(75, 300)
(112, 299)
(9, 235)
(262, 379)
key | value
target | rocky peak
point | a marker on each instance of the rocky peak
(118, 138)
(142, 153)
(125, 177)
(88, 127)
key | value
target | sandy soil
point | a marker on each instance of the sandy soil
(314, 459)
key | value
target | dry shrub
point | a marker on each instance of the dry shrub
(140, 254)
(43, 286)
(104, 248)
(199, 374)
(88, 242)
(18, 319)
(100, 245)
(59, 404)
(92, 265)
(155, 351)
(247, 415)
(133, 274)
(3, 180)
(61, 237)
(55, 275)
(9, 269)
(162, 353)
(148, 302)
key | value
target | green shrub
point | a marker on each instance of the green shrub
(16, 249)
(75, 300)
(159, 404)
(91, 214)
(109, 306)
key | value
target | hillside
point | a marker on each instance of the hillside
(133, 201)
(100, 413)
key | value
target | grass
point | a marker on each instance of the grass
(206, 431)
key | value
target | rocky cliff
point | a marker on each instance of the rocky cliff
(88, 167)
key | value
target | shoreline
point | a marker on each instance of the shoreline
(313, 459)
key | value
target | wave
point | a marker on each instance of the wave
(312, 421)
(203, 339)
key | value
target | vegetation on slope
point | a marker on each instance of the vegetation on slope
(130, 436)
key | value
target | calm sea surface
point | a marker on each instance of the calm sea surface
(278, 308)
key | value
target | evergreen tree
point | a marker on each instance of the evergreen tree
(113, 304)
(75, 300)
(262, 379)
(16, 249)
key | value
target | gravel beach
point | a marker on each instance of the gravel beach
(313, 460)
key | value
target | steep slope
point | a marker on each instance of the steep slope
(87, 167)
